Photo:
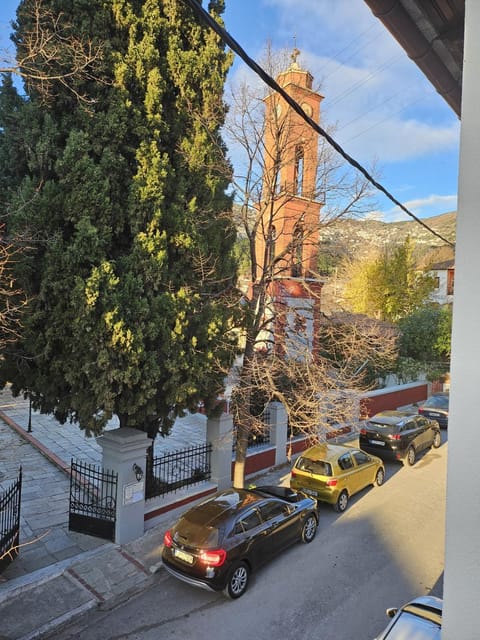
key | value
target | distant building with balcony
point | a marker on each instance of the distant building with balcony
(444, 274)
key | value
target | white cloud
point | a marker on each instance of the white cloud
(384, 108)
(384, 111)
(427, 207)
(395, 140)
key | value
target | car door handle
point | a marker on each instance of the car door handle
(268, 530)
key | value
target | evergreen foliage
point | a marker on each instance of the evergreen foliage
(426, 334)
(132, 268)
(389, 286)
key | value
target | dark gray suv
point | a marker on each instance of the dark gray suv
(399, 435)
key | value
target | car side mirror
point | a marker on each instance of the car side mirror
(392, 612)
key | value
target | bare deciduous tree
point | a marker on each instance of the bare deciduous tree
(265, 147)
(50, 51)
(13, 300)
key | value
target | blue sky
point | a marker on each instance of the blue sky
(384, 110)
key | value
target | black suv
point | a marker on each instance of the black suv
(219, 542)
(399, 435)
(436, 408)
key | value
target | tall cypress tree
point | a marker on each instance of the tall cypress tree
(125, 193)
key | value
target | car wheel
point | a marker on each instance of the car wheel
(309, 529)
(237, 581)
(410, 457)
(380, 477)
(437, 440)
(342, 502)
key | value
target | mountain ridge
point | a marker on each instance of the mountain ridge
(359, 238)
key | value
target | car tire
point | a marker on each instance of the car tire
(237, 581)
(309, 528)
(410, 457)
(342, 502)
(437, 440)
(380, 477)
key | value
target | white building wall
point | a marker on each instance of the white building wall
(439, 295)
(462, 553)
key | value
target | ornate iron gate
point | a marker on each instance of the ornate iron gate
(93, 500)
(10, 522)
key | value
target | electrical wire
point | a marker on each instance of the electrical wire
(340, 63)
(379, 122)
(205, 17)
(372, 109)
(360, 83)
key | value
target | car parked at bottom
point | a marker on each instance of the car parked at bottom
(219, 542)
(436, 408)
(419, 619)
(333, 473)
(399, 435)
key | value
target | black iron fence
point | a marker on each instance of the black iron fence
(10, 522)
(93, 500)
(178, 469)
(260, 434)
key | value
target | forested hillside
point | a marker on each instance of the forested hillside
(357, 238)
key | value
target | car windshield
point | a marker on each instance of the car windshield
(319, 467)
(438, 402)
(411, 627)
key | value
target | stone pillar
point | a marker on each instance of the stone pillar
(278, 431)
(124, 451)
(220, 435)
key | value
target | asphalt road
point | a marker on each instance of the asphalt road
(387, 547)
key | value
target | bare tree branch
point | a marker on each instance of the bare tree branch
(50, 52)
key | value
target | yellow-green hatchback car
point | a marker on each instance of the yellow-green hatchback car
(333, 473)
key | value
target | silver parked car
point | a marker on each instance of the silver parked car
(420, 618)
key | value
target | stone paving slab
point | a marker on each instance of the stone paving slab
(112, 575)
(42, 606)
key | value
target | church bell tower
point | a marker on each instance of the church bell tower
(288, 237)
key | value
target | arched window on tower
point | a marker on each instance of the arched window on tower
(271, 240)
(297, 251)
(298, 174)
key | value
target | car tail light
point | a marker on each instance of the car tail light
(213, 558)
(332, 482)
(167, 539)
(363, 432)
(395, 436)
(293, 473)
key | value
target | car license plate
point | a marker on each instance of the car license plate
(310, 492)
(382, 444)
(434, 415)
(183, 555)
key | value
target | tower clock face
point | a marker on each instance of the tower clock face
(308, 109)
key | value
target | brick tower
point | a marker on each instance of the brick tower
(288, 236)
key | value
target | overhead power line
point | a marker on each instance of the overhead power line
(335, 57)
(364, 81)
(203, 15)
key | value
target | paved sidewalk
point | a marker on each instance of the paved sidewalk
(60, 574)
(45, 455)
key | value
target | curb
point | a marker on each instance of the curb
(62, 620)
(54, 459)
(15, 587)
